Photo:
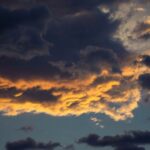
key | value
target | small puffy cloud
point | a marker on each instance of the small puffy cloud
(97, 122)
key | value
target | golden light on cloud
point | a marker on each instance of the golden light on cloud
(147, 21)
(117, 96)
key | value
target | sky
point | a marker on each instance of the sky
(74, 74)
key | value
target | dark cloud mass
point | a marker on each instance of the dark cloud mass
(59, 8)
(38, 31)
(38, 68)
(27, 33)
(130, 148)
(146, 60)
(8, 92)
(145, 81)
(34, 95)
(37, 95)
(31, 144)
(13, 18)
(129, 141)
(76, 32)
(21, 32)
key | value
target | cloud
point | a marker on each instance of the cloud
(145, 80)
(143, 30)
(97, 122)
(77, 98)
(60, 8)
(130, 148)
(30, 143)
(69, 147)
(13, 18)
(8, 92)
(63, 58)
(16, 69)
(133, 31)
(22, 32)
(26, 128)
(37, 95)
(76, 32)
(129, 140)
(146, 60)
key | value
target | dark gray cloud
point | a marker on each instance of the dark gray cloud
(27, 33)
(146, 60)
(100, 58)
(21, 32)
(30, 17)
(130, 148)
(127, 141)
(37, 95)
(8, 92)
(144, 81)
(103, 79)
(34, 95)
(38, 68)
(38, 29)
(74, 33)
(30, 143)
(59, 8)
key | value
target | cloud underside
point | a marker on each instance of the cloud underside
(61, 61)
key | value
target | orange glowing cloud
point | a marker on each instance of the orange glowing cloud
(116, 97)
